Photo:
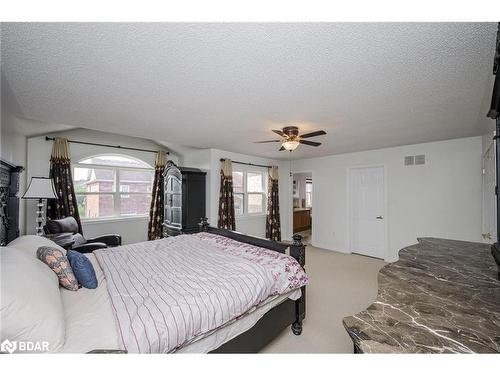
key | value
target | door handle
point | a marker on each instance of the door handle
(379, 217)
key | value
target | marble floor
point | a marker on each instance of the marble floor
(340, 285)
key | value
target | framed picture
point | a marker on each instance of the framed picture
(295, 189)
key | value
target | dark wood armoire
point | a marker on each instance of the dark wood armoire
(9, 201)
(184, 200)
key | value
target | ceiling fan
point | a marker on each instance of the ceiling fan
(292, 139)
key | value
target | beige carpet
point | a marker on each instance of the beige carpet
(340, 285)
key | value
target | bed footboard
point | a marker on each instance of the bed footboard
(297, 251)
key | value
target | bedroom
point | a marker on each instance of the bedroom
(149, 178)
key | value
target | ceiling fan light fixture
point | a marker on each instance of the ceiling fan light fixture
(290, 145)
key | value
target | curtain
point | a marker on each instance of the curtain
(156, 209)
(273, 226)
(60, 171)
(226, 198)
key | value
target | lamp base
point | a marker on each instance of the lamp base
(39, 218)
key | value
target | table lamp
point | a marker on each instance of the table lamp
(40, 188)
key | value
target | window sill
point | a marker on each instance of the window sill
(114, 219)
(250, 216)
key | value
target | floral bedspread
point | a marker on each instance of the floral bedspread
(168, 292)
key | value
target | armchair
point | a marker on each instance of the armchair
(68, 225)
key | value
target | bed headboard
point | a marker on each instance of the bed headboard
(9, 202)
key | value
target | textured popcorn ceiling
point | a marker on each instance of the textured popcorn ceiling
(227, 85)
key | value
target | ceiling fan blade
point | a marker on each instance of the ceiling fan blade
(309, 143)
(279, 132)
(282, 149)
(313, 134)
(274, 140)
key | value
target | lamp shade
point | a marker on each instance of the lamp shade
(40, 188)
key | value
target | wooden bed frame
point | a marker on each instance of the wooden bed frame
(278, 318)
(287, 313)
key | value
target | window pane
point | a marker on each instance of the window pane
(115, 160)
(308, 199)
(255, 203)
(94, 180)
(95, 205)
(238, 204)
(254, 182)
(134, 204)
(238, 182)
(136, 181)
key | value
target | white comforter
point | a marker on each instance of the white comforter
(168, 292)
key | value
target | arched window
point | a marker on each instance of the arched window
(112, 185)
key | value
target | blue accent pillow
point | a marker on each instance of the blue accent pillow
(83, 269)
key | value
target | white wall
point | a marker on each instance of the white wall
(441, 198)
(38, 155)
(209, 160)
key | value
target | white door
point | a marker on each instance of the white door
(367, 210)
(489, 202)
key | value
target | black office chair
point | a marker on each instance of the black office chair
(68, 227)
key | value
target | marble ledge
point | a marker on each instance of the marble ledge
(442, 296)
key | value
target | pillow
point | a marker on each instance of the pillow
(31, 243)
(58, 263)
(83, 269)
(31, 307)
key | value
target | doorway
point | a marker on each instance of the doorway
(302, 205)
(367, 211)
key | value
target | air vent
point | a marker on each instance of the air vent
(409, 160)
(419, 159)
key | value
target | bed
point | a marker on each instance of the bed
(221, 292)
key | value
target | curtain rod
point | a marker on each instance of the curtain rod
(105, 145)
(253, 165)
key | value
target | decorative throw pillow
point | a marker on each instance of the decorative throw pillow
(58, 263)
(83, 269)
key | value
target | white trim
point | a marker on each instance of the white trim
(116, 193)
(92, 155)
(245, 193)
(387, 256)
(251, 216)
(112, 219)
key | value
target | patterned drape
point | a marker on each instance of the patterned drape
(226, 198)
(60, 171)
(273, 226)
(156, 210)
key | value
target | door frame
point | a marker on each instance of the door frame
(290, 203)
(387, 257)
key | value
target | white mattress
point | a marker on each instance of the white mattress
(90, 323)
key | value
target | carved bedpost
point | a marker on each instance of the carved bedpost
(298, 251)
(203, 225)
